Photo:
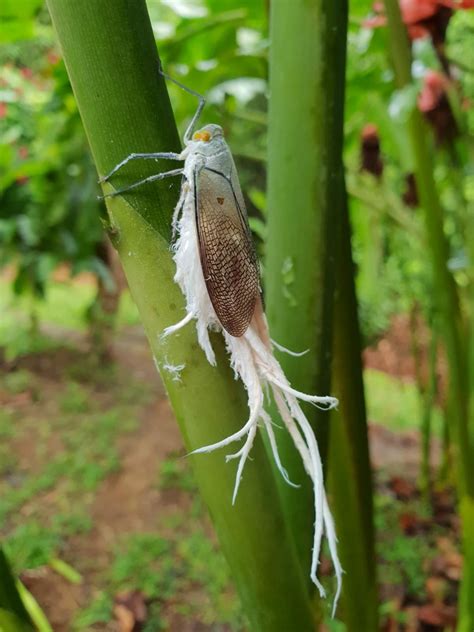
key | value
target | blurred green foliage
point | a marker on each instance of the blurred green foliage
(49, 214)
(49, 211)
(395, 402)
(49, 206)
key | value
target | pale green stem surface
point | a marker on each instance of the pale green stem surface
(304, 163)
(112, 62)
(306, 199)
(350, 471)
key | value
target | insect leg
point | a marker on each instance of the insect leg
(166, 155)
(200, 107)
(170, 330)
(158, 176)
(179, 208)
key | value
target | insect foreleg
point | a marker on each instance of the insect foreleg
(163, 155)
(158, 176)
(200, 107)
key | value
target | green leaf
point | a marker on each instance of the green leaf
(65, 570)
(17, 19)
(10, 622)
(12, 608)
(466, 601)
(37, 615)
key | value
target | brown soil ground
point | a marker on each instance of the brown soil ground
(129, 501)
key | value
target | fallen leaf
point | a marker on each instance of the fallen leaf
(453, 561)
(402, 488)
(436, 589)
(125, 618)
(411, 523)
(130, 610)
(437, 615)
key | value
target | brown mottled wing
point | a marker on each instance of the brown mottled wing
(228, 258)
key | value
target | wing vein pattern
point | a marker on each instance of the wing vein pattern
(228, 257)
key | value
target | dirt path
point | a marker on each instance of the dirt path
(130, 501)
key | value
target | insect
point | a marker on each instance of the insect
(218, 273)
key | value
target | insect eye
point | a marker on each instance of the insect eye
(205, 136)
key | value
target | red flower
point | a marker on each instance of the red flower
(422, 17)
(26, 72)
(53, 57)
(410, 195)
(434, 104)
(434, 88)
(23, 152)
(370, 158)
(3, 109)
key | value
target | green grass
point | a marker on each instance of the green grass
(404, 557)
(98, 611)
(75, 398)
(7, 425)
(169, 569)
(90, 410)
(88, 429)
(31, 545)
(64, 305)
(143, 561)
(8, 460)
(395, 403)
(174, 473)
(90, 455)
(18, 381)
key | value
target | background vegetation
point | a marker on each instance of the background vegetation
(99, 516)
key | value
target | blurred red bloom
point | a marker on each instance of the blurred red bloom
(370, 158)
(26, 72)
(53, 57)
(422, 17)
(3, 109)
(434, 87)
(433, 102)
(410, 195)
(23, 152)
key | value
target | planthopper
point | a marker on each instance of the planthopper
(218, 272)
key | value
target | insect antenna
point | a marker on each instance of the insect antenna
(200, 107)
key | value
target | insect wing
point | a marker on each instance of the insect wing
(228, 258)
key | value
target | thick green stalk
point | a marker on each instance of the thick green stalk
(428, 400)
(451, 326)
(446, 292)
(112, 62)
(466, 592)
(304, 162)
(350, 472)
(426, 386)
(13, 614)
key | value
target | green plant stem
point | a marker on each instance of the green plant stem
(426, 386)
(350, 472)
(446, 292)
(13, 614)
(451, 325)
(428, 403)
(445, 468)
(466, 592)
(305, 140)
(111, 58)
